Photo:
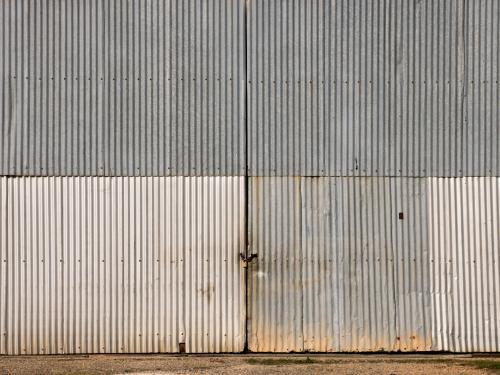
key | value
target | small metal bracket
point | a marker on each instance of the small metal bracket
(247, 258)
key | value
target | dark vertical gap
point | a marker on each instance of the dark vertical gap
(247, 177)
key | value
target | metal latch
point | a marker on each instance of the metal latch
(247, 258)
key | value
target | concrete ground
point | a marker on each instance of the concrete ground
(251, 364)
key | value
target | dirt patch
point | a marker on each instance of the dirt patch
(250, 364)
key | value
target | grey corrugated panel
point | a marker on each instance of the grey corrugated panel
(337, 270)
(464, 242)
(122, 88)
(114, 265)
(373, 88)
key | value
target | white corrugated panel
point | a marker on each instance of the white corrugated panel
(101, 265)
(464, 223)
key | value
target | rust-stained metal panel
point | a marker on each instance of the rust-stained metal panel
(274, 279)
(122, 88)
(3, 264)
(121, 265)
(368, 264)
(365, 264)
(374, 88)
(337, 269)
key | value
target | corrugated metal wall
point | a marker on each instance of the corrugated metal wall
(275, 295)
(368, 264)
(116, 265)
(374, 88)
(464, 231)
(124, 88)
(390, 92)
(338, 270)
(332, 113)
(335, 88)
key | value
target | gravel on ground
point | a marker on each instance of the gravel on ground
(392, 364)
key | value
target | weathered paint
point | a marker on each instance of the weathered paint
(369, 264)
(121, 265)
(274, 280)
(345, 274)
(372, 96)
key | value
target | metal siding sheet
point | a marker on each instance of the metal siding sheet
(464, 225)
(121, 265)
(364, 269)
(274, 278)
(371, 88)
(337, 270)
(340, 270)
(122, 88)
(3, 262)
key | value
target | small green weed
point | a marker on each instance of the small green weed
(281, 361)
(485, 364)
